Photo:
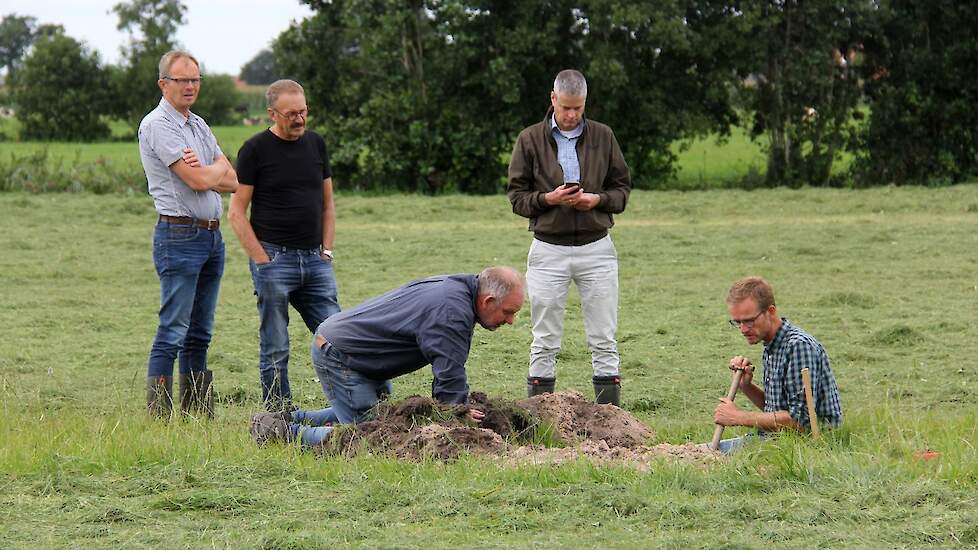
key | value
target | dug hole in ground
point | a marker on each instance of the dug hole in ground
(549, 428)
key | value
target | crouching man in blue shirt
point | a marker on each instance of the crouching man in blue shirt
(430, 321)
(787, 350)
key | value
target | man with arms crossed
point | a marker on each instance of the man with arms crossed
(787, 350)
(357, 352)
(285, 176)
(568, 175)
(186, 171)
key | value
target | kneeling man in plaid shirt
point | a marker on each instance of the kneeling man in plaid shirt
(787, 350)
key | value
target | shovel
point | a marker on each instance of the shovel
(718, 431)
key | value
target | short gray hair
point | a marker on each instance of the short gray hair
(500, 281)
(170, 57)
(279, 87)
(570, 83)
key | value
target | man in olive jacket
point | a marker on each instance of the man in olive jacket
(568, 176)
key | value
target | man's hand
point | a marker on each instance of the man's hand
(587, 201)
(744, 365)
(190, 158)
(727, 414)
(564, 196)
(476, 415)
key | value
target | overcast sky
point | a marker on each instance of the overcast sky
(222, 34)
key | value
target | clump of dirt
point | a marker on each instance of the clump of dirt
(419, 427)
(577, 419)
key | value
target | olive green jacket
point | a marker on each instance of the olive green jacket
(534, 171)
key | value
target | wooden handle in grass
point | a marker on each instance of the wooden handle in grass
(806, 379)
(731, 393)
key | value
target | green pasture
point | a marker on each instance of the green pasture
(123, 151)
(885, 278)
(703, 164)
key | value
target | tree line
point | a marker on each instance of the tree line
(62, 91)
(428, 95)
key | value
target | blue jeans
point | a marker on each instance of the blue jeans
(189, 261)
(300, 278)
(351, 396)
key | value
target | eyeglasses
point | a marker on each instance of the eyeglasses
(749, 323)
(183, 81)
(292, 115)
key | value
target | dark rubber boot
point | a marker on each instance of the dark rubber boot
(276, 393)
(536, 385)
(196, 393)
(607, 390)
(186, 392)
(205, 391)
(159, 396)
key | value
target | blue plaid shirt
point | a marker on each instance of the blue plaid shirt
(791, 350)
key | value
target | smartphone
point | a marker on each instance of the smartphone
(572, 186)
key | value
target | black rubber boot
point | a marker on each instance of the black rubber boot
(607, 390)
(205, 392)
(159, 396)
(536, 385)
(196, 394)
(186, 392)
(276, 391)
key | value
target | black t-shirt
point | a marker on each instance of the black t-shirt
(287, 204)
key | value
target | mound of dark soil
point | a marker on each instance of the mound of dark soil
(418, 427)
(577, 419)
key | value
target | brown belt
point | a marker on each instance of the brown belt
(209, 225)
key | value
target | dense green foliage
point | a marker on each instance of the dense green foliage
(922, 90)
(16, 35)
(82, 467)
(218, 100)
(804, 88)
(60, 92)
(66, 93)
(261, 69)
(430, 95)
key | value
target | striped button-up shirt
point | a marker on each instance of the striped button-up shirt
(791, 350)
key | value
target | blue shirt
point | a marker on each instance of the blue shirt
(428, 321)
(163, 135)
(791, 350)
(567, 149)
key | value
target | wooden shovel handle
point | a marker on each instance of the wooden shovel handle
(731, 393)
(806, 379)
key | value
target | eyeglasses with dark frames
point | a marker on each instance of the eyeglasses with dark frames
(183, 81)
(749, 323)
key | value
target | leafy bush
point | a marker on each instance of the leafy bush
(60, 92)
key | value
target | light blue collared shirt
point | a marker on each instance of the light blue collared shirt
(567, 149)
(163, 135)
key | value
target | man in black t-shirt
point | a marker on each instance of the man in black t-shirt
(285, 177)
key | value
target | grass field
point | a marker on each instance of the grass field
(704, 164)
(885, 278)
